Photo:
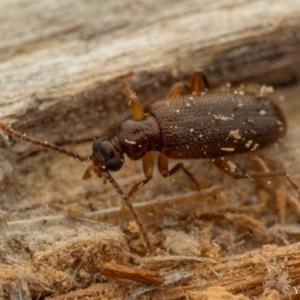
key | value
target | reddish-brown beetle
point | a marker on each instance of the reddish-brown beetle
(204, 124)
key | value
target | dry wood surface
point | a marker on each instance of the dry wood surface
(59, 64)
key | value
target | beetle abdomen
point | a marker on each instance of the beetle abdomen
(217, 124)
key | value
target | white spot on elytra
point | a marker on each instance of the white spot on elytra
(223, 118)
(235, 134)
(228, 149)
(248, 144)
(254, 147)
(262, 112)
(266, 90)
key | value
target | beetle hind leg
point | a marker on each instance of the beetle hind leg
(230, 169)
(163, 167)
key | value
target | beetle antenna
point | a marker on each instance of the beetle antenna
(45, 145)
(132, 210)
(294, 185)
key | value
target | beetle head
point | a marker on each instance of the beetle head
(106, 157)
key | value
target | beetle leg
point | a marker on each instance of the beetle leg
(134, 102)
(87, 174)
(163, 162)
(163, 167)
(199, 83)
(176, 90)
(147, 161)
(230, 169)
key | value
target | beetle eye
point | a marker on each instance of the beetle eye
(114, 164)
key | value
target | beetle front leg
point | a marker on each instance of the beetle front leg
(137, 110)
(231, 169)
(147, 161)
(163, 167)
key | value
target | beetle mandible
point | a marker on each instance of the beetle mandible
(205, 124)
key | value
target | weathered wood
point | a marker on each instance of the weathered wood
(58, 65)
(131, 273)
(252, 273)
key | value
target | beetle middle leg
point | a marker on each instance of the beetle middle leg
(176, 90)
(199, 83)
(163, 167)
(230, 169)
(138, 114)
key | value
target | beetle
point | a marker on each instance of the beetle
(205, 124)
